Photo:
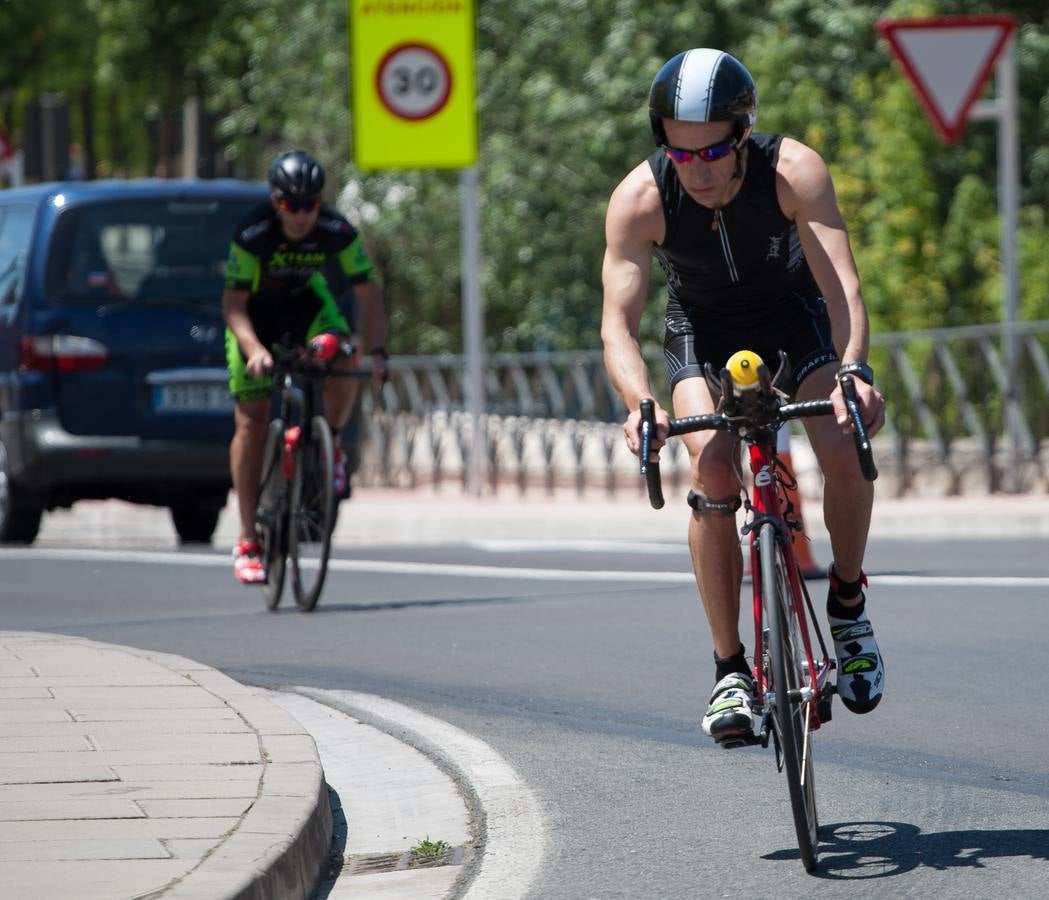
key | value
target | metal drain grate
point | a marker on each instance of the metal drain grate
(373, 863)
(377, 863)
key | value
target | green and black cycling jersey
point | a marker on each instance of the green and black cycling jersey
(289, 294)
(263, 261)
(285, 278)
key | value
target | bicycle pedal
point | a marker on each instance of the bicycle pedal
(730, 742)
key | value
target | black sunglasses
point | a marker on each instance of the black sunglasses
(287, 204)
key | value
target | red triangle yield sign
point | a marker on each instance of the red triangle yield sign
(948, 60)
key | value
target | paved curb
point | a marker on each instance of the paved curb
(282, 838)
(283, 842)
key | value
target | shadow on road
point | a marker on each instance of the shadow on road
(379, 606)
(859, 850)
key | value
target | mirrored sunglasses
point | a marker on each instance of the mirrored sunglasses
(708, 154)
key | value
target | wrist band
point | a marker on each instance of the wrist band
(858, 368)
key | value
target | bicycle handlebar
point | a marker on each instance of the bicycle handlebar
(864, 451)
(648, 468)
(288, 357)
(741, 425)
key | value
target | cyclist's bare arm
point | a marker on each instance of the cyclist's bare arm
(634, 222)
(806, 195)
(235, 312)
(373, 313)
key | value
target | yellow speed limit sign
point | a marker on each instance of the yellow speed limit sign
(413, 85)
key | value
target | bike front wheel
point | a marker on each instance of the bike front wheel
(271, 514)
(312, 514)
(793, 704)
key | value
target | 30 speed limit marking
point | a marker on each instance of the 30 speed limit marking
(414, 81)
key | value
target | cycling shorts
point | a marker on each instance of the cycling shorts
(803, 331)
(309, 314)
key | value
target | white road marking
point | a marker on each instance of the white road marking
(634, 548)
(962, 580)
(382, 567)
(386, 567)
(513, 827)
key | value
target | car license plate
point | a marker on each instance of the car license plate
(192, 398)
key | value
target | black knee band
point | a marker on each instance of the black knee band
(702, 505)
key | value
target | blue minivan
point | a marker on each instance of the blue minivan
(112, 370)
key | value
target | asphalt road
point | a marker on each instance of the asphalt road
(591, 685)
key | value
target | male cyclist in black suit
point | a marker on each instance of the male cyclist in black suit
(748, 231)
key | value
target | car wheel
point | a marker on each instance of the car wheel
(19, 515)
(195, 524)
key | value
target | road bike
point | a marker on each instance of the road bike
(295, 514)
(792, 666)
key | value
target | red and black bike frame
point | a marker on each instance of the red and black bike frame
(766, 505)
(764, 464)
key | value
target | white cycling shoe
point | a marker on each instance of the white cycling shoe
(730, 718)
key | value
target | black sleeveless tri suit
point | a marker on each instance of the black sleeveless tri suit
(737, 278)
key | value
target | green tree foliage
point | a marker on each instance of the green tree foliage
(561, 105)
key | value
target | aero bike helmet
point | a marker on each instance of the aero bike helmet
(703, 85)
(296, 174)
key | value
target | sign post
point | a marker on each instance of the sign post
(948, 60)
(414, 107)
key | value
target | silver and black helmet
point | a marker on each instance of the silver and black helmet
(703, 85)
(296, 174)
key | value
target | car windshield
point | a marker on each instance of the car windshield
(143, 251)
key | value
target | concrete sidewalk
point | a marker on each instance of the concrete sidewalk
(126, 773)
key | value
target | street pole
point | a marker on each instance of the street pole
(1004, 110)
(190, 136)
(1009, 186)
(473, 330)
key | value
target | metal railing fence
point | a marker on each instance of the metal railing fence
(968, 412)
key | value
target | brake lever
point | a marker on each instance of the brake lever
(784, 369)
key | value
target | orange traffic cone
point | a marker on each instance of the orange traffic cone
(802, 545)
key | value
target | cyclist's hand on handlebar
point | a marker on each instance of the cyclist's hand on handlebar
(632, 431)
(872, 407)
(259, 363)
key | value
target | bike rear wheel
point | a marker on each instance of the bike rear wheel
(271, 514)
(312, 514)
(791, 714)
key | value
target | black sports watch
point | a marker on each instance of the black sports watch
(858, 368)
(380, 351)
